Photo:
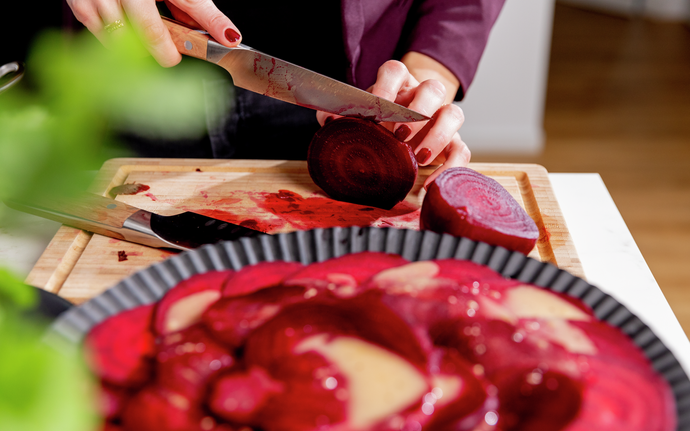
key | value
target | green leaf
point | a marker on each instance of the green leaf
(42, 389)
(15, 293)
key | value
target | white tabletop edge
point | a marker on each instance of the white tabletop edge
(611, 259)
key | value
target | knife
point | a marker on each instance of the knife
(272, 77)
(116, 219)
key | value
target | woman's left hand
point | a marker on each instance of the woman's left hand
(436, 140)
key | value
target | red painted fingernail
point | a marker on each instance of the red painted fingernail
(231, 35)
(423, 156)
(403, 132)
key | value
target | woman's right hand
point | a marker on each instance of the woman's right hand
(145, 19)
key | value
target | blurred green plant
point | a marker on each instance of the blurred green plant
(81, 93)
(40, 387)
(54, 126)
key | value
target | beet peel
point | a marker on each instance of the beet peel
(463, 202)
(358, 161)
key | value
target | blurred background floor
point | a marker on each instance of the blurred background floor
(618, 104)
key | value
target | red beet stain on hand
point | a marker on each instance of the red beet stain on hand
(121, 256)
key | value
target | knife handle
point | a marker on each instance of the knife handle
(188, 41)
(85, 211)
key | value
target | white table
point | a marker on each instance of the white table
(610, 258)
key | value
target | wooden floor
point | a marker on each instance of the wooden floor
(618, 103)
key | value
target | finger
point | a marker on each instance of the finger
(113, 19)
(457, 154)
(438, 133)
(181, 16)
(393, 80)
(325, 117)
(211, 19)
(87, 13)
(146, 20)
(428, 97)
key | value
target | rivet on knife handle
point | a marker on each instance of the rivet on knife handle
(187, 40)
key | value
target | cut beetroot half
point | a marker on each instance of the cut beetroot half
(356, 160)
(183, 305)
(255, 277)
(119, 349)
(463, 202)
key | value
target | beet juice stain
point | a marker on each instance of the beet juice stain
(322, 212)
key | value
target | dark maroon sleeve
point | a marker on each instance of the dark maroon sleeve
(454, 33)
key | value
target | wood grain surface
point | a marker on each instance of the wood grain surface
(272, 195)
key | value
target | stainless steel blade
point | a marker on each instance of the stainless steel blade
(279, 79)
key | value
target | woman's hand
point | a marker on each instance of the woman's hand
(143, 16)
(426, 86)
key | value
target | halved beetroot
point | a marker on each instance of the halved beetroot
(183, 305)
(358, 161)
(255, 277)
(119, 349)
(463, 202)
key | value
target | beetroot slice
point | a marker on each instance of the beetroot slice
(356, 160)
(350, 270)
(232, 318)
(258, 276)
(183, 305)
(463, 202)
(188, 360)
(157, 408)
(239, 397)
(119, 349)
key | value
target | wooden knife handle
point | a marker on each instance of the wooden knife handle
(187, 40)
(86, 211)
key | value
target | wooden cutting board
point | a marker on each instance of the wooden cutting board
(273, 196)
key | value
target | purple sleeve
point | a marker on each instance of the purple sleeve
(454, 33)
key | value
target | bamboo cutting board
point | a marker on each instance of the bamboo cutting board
(271, 195)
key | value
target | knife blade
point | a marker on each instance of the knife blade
(261, 73)
(119, 220)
